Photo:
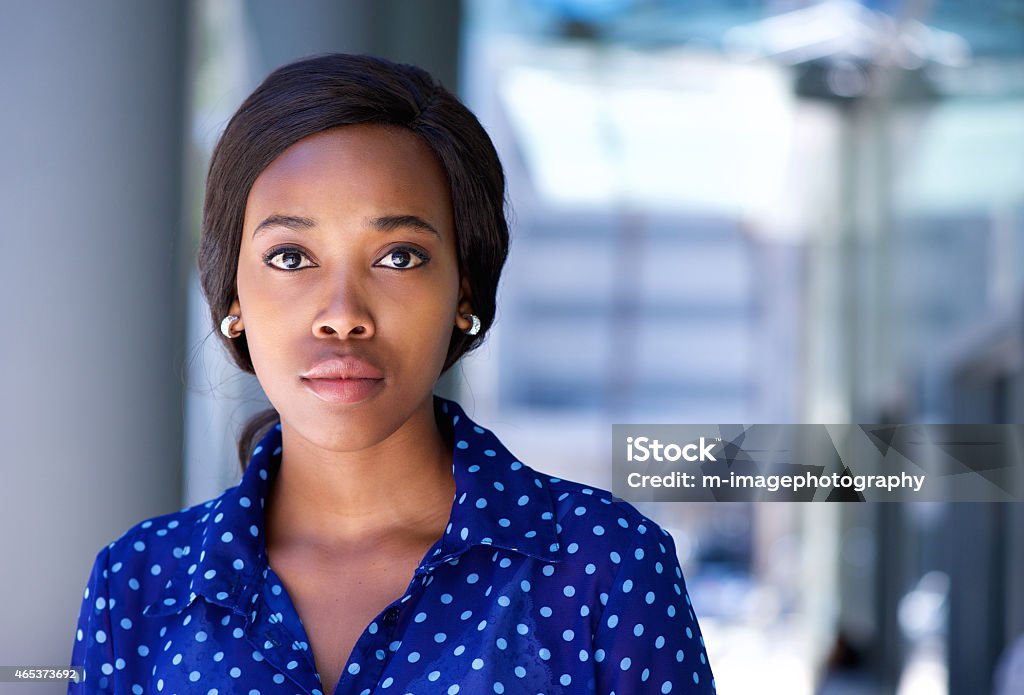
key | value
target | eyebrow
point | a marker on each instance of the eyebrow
(387, 223)
(390, 223)
(287, 221)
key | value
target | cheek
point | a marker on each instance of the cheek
(244, 279)
(423, 314)
(266, 318)
(420, 321)
(269, 351)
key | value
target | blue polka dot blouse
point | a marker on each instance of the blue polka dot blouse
(538, 585)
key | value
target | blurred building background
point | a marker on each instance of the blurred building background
(724, 211)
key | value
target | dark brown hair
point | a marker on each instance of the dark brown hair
(327, 91)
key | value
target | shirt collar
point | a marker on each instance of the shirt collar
(499, 501)
(229, 537)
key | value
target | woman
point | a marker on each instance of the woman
(379, 541)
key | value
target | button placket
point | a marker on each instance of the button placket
(367, 650)
(275, 643)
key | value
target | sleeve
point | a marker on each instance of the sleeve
(648, 639)
(92, 648)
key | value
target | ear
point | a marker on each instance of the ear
(236, 310)
(465, 306)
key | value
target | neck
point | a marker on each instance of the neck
(338, 502)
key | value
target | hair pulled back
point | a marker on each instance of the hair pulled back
(327, 91)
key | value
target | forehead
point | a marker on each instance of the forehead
(361, 170)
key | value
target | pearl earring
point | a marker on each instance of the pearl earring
(225, 326)
(475, 328)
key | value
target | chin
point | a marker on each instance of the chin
(348, 427)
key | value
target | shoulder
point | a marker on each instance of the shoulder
(594, 523)
(588, 521)
(643, 624)
(167, 534)
(579, 500)
(139, 564)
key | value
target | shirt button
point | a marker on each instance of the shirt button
(391, 616)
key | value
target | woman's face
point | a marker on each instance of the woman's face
(348, 283)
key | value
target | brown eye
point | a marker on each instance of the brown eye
(286, 259)
(403, 258)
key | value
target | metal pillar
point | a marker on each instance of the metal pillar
(91, 363)
(426, 34)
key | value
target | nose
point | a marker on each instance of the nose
(345, 312)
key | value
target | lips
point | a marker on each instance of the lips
(347, 367)
(343, 379)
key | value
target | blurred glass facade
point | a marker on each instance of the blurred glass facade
(772, 212)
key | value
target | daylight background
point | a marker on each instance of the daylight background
(736, 211)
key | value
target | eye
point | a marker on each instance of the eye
(286, 258)
(403, 258)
